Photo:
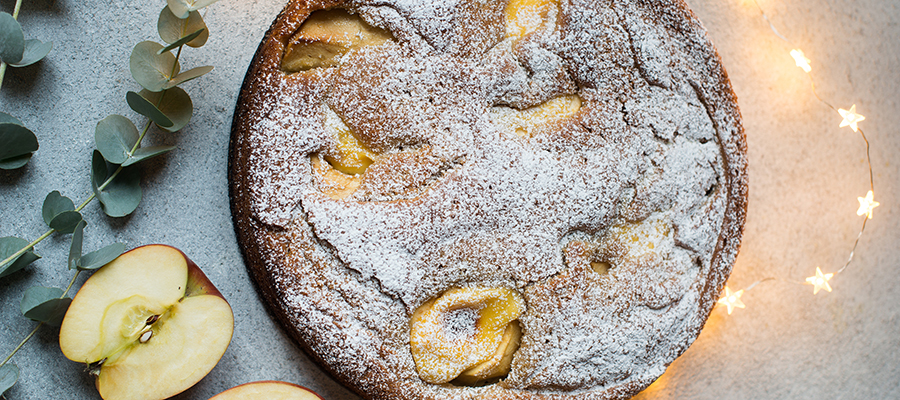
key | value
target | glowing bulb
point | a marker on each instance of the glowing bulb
(801, 60)
(850, 118)
(732, 300)
(866, 205)
(820, 281)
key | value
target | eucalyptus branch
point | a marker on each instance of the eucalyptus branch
(118, 147)
(13, 33)
(101, 187)
(84, 204)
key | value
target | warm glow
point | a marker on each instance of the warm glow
(820, 281)
(850, 118)
(801, 60)
(866, 205)
(732, 300)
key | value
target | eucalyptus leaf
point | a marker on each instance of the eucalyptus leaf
(45, 304)
(150, 69)
(10, 245)
(37, 295)
(147, 152)
(182, 8)
(147, 109)
(16, 141)
(172, 29)
(122, 196)
(55, 204)
(9, 374)
(66, 221)
(180, 42)
(188, 75)
(15, 162)
(99, 258)
(53, 312)
(99, 172)
(115, 136)
(77, 242)
(9, 119)
(176, 104)
(35, 50)
(12, 39)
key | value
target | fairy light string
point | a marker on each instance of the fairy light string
(731, 300)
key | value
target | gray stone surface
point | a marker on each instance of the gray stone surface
(805, 175)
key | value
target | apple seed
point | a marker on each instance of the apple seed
(151, 319)
(146, 336)
(94, 368)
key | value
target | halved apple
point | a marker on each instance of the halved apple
(149, 325)
(267, 390)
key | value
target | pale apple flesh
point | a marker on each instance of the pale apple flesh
(150, 324)
(267, 390)
(442, 355)
(498, 365)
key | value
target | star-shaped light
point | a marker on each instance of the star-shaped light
(866, 205)
(850, 118)
(820, 281)
(732, 300)
(801, 60)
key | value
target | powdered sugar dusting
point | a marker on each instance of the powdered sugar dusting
(647, 177)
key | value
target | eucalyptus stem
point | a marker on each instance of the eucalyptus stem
(89, 199)
(16, 10)
(141, 138)
(177, 56)
(33, 331)
(71, 283)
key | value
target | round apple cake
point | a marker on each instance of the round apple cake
(523, 199)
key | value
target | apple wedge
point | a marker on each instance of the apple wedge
(267, 390)
(149, 325)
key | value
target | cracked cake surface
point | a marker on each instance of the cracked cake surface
(587, 155)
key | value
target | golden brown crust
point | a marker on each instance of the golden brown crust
(353, 320)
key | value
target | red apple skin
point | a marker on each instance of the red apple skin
(259, 391)
(197, 283)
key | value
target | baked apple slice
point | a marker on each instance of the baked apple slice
(267, 390)
(149, 325)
